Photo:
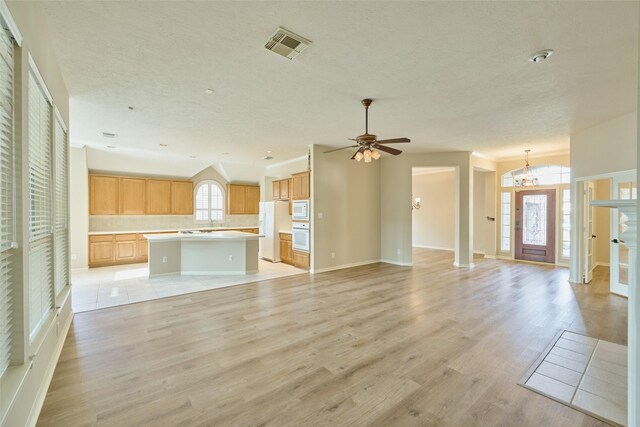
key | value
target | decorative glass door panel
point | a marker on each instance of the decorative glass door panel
(535, 225)
(624, 188)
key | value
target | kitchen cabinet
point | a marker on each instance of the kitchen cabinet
(301, 259)
(182, 197)
(250, 230)
(142, 248)
(158, 197)
(301, 189)
(243, 199)
(125, 248)
(282, 189)
(286, 248)
(101, 250)
(133, 193)
(103, 195)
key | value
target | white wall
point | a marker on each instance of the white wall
(433, 225)
(605, 148)
(24, 384)
(78, 207)
(602, 224)
(346, 193)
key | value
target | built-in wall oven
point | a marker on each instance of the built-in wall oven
(300, 236)
(300, 210)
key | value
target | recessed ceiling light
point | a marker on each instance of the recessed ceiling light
(163, 145)
(225, 153)
(130, 107)
(208, 91)
(192, 157)
(267, 158)
(109, 135)
(269, 151)
(111, 146)
(541, 55)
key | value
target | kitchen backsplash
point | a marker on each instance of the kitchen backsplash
(163, 222)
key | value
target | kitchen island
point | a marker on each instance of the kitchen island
(195, 253)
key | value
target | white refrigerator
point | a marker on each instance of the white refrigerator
(273, 218)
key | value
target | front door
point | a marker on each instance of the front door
(535, 225)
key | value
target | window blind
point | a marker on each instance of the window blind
(209, 202)
(61, 236)
(40, 207)
(7, 205)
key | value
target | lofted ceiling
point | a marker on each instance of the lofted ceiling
(448, 75)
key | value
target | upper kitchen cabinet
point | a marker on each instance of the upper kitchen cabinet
(301, 186)
(133, 195)
(103, 195)
(282, 189)
(158, 197)
(182, 197)
(243, 199)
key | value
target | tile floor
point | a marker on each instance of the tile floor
(587, 374)
(124, 284)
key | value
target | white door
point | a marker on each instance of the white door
(622, 188)
(588, 233)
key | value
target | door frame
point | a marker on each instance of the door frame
(576, 263)
(615, 286)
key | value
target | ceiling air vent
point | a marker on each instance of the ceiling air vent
(286, 43)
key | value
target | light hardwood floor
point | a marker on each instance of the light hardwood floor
(375, 345)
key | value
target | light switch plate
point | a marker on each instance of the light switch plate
(320, 215)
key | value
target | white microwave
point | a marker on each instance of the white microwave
(300, 210)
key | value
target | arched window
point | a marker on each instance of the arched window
(546, 175)
(209, 201)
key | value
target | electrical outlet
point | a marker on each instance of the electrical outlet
(230, 257)
(74, 257)
(165, 259)
(320, 215)
(398, 251)
(333, 255)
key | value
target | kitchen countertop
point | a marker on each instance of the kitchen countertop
(285, 231)
(218, 235)
(170, 230)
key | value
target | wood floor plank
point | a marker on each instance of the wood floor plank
(377, 345)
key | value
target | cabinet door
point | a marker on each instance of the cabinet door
(158, 197)
(100, 253)
(252, 200)
(235, 199)
(126, 251)
(142, 248)
(276, 190)
(103, 195)
(290, 251)
(133, 196)
(182, 197)
(284, 189)
(305, 186)
(283, 250)
(301, 259)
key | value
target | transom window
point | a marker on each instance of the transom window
(209, 201)
(546, 174)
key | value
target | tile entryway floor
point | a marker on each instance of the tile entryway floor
(125, 284)
(585, 373)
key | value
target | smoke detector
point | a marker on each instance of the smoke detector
(287, 44)
(541, 55)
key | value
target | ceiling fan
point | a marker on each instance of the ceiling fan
(368, 144)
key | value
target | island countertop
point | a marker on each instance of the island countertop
(214, 235)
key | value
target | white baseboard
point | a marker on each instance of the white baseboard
(342, 266)
(491, 256)
(455, 264)
(603, 264)
(403, 264)
(438, 248)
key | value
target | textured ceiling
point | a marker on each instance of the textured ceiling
(448, 75)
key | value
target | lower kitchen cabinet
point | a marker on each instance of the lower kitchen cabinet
(286, 248)
(113, 249)
(101, 250)
(301, 259)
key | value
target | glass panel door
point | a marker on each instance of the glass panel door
(624, 188)
(535, 225)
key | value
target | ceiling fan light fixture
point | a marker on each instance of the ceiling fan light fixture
(367, 156)
(359, 156)
(375, 154)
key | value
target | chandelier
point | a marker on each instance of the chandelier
(525, 177)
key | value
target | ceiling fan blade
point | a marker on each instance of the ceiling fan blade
(393, 140)
(360, 150)
(388, 150)
(343, 148)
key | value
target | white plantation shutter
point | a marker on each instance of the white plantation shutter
(40, 207)
(7, 205)
(209, 202)
(62, 211)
